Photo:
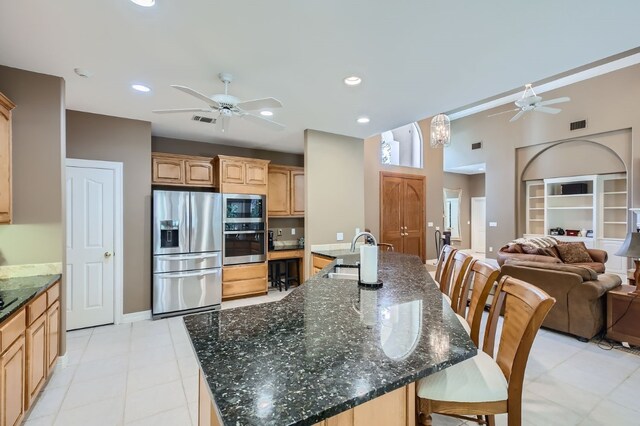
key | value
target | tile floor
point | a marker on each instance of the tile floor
(145, 373)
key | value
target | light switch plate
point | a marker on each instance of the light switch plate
(279, 232)
(339, 236)
(493, 224)
(437, 228)
(293, 231)
(490, 249)
(430, 224)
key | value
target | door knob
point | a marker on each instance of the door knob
(107, 254)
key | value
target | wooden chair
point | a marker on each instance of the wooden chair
(479, 280)
(385, 246)
(459, 266)
(482, 386)
(443, 267)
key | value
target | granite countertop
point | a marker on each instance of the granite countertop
(337, 253)
(287, 248)
(17, 292)
(328, 346)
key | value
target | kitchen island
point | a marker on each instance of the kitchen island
(327, 347)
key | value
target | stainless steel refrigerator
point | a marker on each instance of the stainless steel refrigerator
(187, 252)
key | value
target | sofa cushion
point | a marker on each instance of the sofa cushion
(596, 266)
(574, 253)
(586, 273)
(512, 248)
(549, 251)
(530, 249)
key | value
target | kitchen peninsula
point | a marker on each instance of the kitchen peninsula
(327, 347)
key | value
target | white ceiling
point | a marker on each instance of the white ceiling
(416, 58)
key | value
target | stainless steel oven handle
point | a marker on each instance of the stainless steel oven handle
(188, 257)
(244, 232)
(186, 274)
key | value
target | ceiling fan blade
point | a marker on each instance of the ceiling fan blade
(547, 109)
(263, 121)
(196, 94)
(260, 104)
(553, 101)
(518, 115)
(169, 111)
(504, 112)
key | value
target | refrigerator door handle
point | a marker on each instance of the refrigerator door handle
(189, 257)
(187, 274)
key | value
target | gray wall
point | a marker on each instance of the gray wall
(609, 103)
(178, 146)
(101, 137)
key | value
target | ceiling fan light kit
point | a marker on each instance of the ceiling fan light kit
(532, 102)
(228, 106)
(440, 131)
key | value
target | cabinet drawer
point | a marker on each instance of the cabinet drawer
(53, 293)
(244, 272)
(12, 329)
(321, 261)
(36, 308)
(244, 287)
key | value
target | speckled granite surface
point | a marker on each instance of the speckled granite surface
(328, 346)
(336, 253)
(17, 292)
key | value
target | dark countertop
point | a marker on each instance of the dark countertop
(17, 292)
(311, 355)
(337, 253)
(287, 248)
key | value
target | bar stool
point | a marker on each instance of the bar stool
(295, 277)
(276, 269)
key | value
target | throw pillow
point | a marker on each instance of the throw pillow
(547, 252)
(530, 249)
(574, 253)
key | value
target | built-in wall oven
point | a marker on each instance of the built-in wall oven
(244, 232)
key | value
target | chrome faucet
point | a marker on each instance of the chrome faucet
(360, 234)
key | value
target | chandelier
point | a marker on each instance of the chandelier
(440, 131)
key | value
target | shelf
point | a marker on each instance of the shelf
(570, 208)
(536, 220)
(570, 195)
(614, 192)
(536, 208)
(615, 223)
(615, 208)
(536, 197)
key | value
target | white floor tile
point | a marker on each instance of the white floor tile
(105, 412)
(540, 411)
(111, 328)
(580, 401)
(184, 350)
(99, 389)
(193, 412)
(62, 376)
(610, 413)
(151, 401)
(41, 421)
(188, 367)
(176, 417)
(91, 370)
(151, 343)
(154, 375)
(190, 385)
(48, 403)
(147, 358)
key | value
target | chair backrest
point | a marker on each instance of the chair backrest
(459, 265)
(443, 268)
(479, 280)
(385, 246)
(525, 307)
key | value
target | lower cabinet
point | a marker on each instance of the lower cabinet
(244, 280)
(36, 358)
(12, 384)
(319, 262)
(53, 335)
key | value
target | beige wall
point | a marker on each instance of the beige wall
(609, 103)
(432, 170)
(100, 137)
(471, 186)
(177, 146)
(334, 187)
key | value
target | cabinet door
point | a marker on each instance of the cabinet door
(199, 173)
(53, 334)
(297, 193)
(278, 195)
(256, 174)
(168, 170)
(232, 171)
(36, 358)
(12, 369)
(5, 165)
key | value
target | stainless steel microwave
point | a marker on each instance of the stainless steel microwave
(244, 208)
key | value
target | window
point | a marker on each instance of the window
(402, 146)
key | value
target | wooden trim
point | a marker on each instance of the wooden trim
(285, 254)
(244, 159)
(181, 156)
(241, 188)
(320, 261)
(6, 102)
(12, 328)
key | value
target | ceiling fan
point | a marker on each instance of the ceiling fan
(228, 106)
(532, 102)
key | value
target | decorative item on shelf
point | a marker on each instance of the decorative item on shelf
(440, 131)
(556, 231)
(631, 248)
(589, 233)
(572, 232)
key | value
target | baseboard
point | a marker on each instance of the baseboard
(136, 316)
(63, 361)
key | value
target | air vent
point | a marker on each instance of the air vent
(203, 119)
(477, 145)
(577, 125)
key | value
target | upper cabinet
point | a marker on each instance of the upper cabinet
(239, 175)
(286, 191)
(182, 170)
(5, 158)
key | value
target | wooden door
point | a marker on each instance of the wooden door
(5, 159)
(256, 174)
(232, 171)
(53, 334)
(278, 195)
(168, 171)
(391, 215)
(413, 217)
(36, 336)
(297, 193)
(199, 172)
(12, 370)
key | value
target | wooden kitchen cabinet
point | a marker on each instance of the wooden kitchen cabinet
(37, 364)
(182, 170)
(53, 335)
(244, 280)
(286, 191)
(12, 374)
(5, 158)
(240, 175)
(318, 262)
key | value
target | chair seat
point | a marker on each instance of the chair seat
(478, 379)
(447, 298)
(464, 323)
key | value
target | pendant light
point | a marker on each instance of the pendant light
(440, 131)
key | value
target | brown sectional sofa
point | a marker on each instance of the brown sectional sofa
(599, 257)
(579, 291)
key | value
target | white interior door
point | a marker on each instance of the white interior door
(478, 224)
(90, 246)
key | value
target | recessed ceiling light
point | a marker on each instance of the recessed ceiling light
(266, 113)
(144, 3)
(353, 80)
(363, 120)
(83, 72)
(141, 88)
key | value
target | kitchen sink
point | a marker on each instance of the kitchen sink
(344, 272)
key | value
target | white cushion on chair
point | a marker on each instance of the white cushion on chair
(478, 379)
(464, 323)
(447, 298)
